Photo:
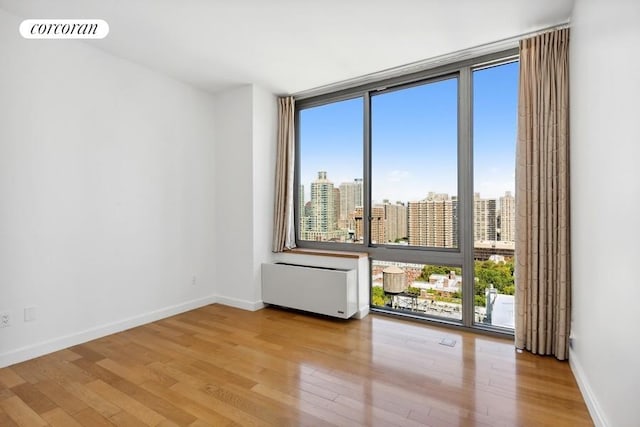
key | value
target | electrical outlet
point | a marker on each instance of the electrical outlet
(5, 319)
(29, 314)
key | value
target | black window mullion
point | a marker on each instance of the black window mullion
(366, 215)
(465, 192)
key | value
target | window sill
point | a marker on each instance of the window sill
(321, 252)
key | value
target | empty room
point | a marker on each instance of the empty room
(282, 213)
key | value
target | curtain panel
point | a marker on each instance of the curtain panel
(543, 286)
(283, 225)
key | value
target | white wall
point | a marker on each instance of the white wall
(234, 196)
(265, 121)
(605, 190)
(107, 193)
(246, 119)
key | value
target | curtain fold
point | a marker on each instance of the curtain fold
(283, 225)
(543, 287)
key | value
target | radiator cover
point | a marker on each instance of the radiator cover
(328, 291)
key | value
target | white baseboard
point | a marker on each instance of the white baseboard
(362, 313)
(35, 350)
(597, 415)
(240, 303)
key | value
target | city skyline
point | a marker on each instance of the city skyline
(334, 212)
(427, 192)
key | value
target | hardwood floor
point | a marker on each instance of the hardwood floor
(223, 366)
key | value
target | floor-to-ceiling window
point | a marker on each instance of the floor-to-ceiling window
(495, 103)
(419, 169)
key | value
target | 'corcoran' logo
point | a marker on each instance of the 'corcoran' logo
(64, 29)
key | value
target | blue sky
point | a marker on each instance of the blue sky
(414, 137)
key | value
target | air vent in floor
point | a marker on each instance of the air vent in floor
(448, 342)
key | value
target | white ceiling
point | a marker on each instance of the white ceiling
(289, 46)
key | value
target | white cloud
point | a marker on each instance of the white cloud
(397, 176)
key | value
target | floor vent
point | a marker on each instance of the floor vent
(448, 342)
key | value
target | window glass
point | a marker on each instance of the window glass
(495, 103)
(434, 290)
(330, 193)
(414, 173)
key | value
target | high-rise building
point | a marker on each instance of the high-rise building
(336, 207)
(350, 198)
(454, 220)
(396, 221)
(431, 221)
(321, 224)
(508, 217)
(322, 203)
(484, 219)
(301, 211)
(377, 224)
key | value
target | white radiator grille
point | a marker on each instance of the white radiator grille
(328, 291)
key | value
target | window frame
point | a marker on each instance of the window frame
(462, 256)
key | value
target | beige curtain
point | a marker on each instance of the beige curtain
(283, 225)
(543, 289)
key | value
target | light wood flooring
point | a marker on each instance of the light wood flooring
(223, 366)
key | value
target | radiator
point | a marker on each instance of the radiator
(328, 291)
